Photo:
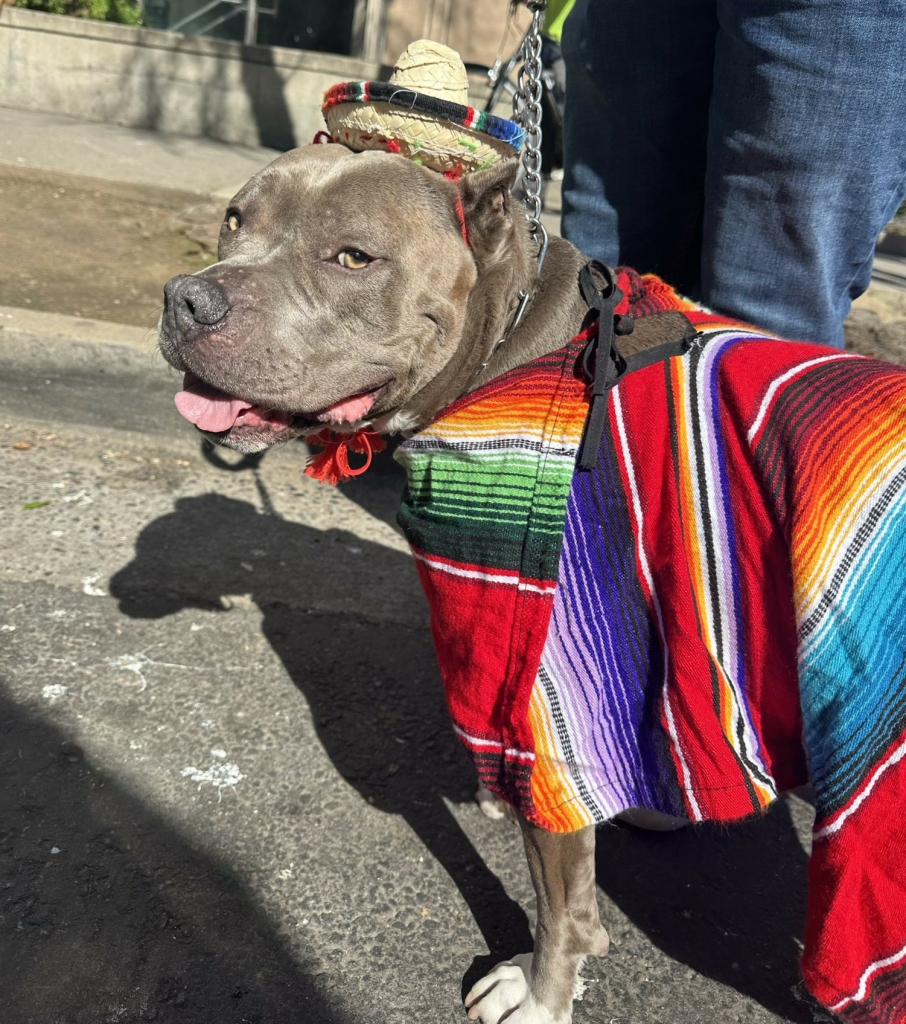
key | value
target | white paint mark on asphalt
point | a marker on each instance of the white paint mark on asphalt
(221, 775)
(137, 663)
(56, 533)
(7, 629)
(82, 496)
(55, 849)
(89, 588)
(194, 628)
(62, 613)
(54, 691)
(218, 752)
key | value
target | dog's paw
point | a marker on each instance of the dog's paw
(499, 994)
(505, 995)
(491, 806)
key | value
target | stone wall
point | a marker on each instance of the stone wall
(187, 85)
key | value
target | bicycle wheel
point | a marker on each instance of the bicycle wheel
(497, 101)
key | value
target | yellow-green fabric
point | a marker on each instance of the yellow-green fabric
(557, 11)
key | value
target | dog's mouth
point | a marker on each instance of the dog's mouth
(217, 412)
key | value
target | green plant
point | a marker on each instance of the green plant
(125, 12)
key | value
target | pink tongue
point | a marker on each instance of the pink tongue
(213, 410)
(350, 410)
(208, 408)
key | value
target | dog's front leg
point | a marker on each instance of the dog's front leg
(538, 988)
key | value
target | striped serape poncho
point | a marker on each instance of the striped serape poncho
(716, 612)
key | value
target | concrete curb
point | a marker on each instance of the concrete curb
(25, 326)
(86, 372)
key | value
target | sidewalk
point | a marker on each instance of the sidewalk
(97, 217)
(130, 156)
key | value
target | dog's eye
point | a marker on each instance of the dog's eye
(352, 259)
(234, 221)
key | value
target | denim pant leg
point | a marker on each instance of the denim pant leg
(638, 84)
(806, 158)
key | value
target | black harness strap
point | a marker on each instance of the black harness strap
(599, 290)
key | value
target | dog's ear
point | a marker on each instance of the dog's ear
(486, 204)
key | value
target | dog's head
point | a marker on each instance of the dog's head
(340, 295)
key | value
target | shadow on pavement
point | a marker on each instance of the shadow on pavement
(379, 494)
(126, 922)
(727, 902)
(373, 688)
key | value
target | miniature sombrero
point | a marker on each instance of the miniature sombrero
(422, 113)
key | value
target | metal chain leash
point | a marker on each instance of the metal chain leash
(527, 113)
(529, 91)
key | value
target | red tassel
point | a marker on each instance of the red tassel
(321, 137)
(331, 466)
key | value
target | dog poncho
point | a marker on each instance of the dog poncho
(712, 614)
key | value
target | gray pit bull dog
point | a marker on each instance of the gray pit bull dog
(345, 295)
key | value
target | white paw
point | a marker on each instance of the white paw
(491, 806)
(505, 995)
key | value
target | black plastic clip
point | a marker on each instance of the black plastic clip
(599, 289)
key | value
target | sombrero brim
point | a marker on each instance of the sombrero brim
(445, 136)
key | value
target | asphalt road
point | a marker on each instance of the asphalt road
(228, 789)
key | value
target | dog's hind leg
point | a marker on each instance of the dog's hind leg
(538, 988)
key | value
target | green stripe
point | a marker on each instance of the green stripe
(492, 509)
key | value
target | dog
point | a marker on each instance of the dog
(361, 290)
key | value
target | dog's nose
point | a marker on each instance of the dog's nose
(194, 302)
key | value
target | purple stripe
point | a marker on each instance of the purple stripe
(714, 354)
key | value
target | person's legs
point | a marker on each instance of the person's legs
(638, 84)
(806, 158)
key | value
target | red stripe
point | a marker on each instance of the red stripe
(461, 216)
(855, 900)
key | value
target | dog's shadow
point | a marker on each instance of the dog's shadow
(373, 688)
(727, 903)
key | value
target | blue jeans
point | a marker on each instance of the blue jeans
(747, 151)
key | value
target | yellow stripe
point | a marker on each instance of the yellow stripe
(556, 799)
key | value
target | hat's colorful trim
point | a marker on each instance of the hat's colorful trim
(419, 102)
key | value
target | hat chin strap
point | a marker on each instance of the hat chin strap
(461, 217)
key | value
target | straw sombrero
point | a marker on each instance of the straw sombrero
(422, 113)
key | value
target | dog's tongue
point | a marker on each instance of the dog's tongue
(350, 410)
(216, 411)
(208, 408)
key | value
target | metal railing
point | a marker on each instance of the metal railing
(249, 8)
